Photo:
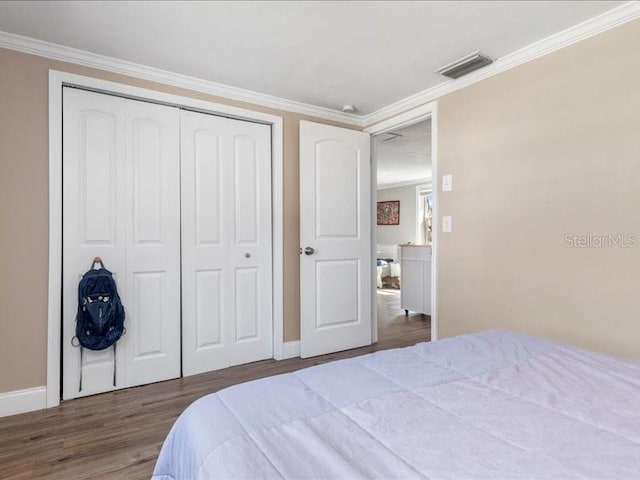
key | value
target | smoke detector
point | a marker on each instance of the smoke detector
(348, 108)
(465, 65)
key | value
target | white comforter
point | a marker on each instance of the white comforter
(495, 405)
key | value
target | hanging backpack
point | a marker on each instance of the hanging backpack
(100, 317)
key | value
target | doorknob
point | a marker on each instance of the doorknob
(309, 251)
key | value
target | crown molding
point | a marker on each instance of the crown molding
(606, 21)
(54, 51)
(589, 28)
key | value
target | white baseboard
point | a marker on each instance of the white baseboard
(21, 401)
(291, 349)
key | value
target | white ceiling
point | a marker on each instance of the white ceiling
(404, 156)
(369, 54)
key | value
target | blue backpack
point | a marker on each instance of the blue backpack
(100, 317)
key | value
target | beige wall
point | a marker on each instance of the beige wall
(546, 149)
(24, 194)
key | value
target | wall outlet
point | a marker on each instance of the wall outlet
(447, 183)
(446, 224)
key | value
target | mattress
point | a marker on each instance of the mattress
(493, 405)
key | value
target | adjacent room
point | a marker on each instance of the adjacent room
(404, 224)
(318, 239)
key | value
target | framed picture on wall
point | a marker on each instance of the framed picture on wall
(389, 213)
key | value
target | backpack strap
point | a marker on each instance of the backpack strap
(114, 363)
(81, 350)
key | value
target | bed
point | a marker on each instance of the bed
(493, 405)
(387, 273)
(387, 265)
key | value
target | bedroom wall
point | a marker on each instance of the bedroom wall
(24, 196)
(406, 231)
(540, 152)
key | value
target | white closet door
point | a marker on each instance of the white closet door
(93, 213)
(121, 201)
(152, 243)
(226, 242)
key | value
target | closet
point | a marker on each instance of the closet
(178, 206)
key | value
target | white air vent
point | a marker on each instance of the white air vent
(391, 136)
(465, 65)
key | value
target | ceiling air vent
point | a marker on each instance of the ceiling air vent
(465, 65)
(392, 136)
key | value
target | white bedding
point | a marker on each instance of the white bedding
(494, 405)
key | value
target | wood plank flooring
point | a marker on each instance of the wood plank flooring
(118, 435)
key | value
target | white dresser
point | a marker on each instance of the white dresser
(415, 280)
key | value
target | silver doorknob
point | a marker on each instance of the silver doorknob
(309, 251)
(247, 255)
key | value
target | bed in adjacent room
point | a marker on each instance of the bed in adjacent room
(387, 266)
(489, 405)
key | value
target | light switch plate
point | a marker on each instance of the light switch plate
(446, 224)
(447, 183)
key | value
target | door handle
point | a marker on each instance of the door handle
(309, 251)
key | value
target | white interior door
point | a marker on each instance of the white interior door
(335, 235)
(226, 242)
(121, 189)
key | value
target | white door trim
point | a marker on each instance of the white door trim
(57, 80)
(418, 114)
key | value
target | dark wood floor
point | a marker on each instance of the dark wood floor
(119, 434)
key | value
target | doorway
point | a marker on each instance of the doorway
(405, 233)
(338, 178)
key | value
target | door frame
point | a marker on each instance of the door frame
(415, 115)
(58, 80)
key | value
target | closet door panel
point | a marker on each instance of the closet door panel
(97, 170)
(246, 191)
(153, 242)
(121, 202)
(93, 224)
(247, 311)
(149, 288)
(226, 242)
(251, 251)
(209, 303)
(207, 178)
(147, 160)
(206, 222)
